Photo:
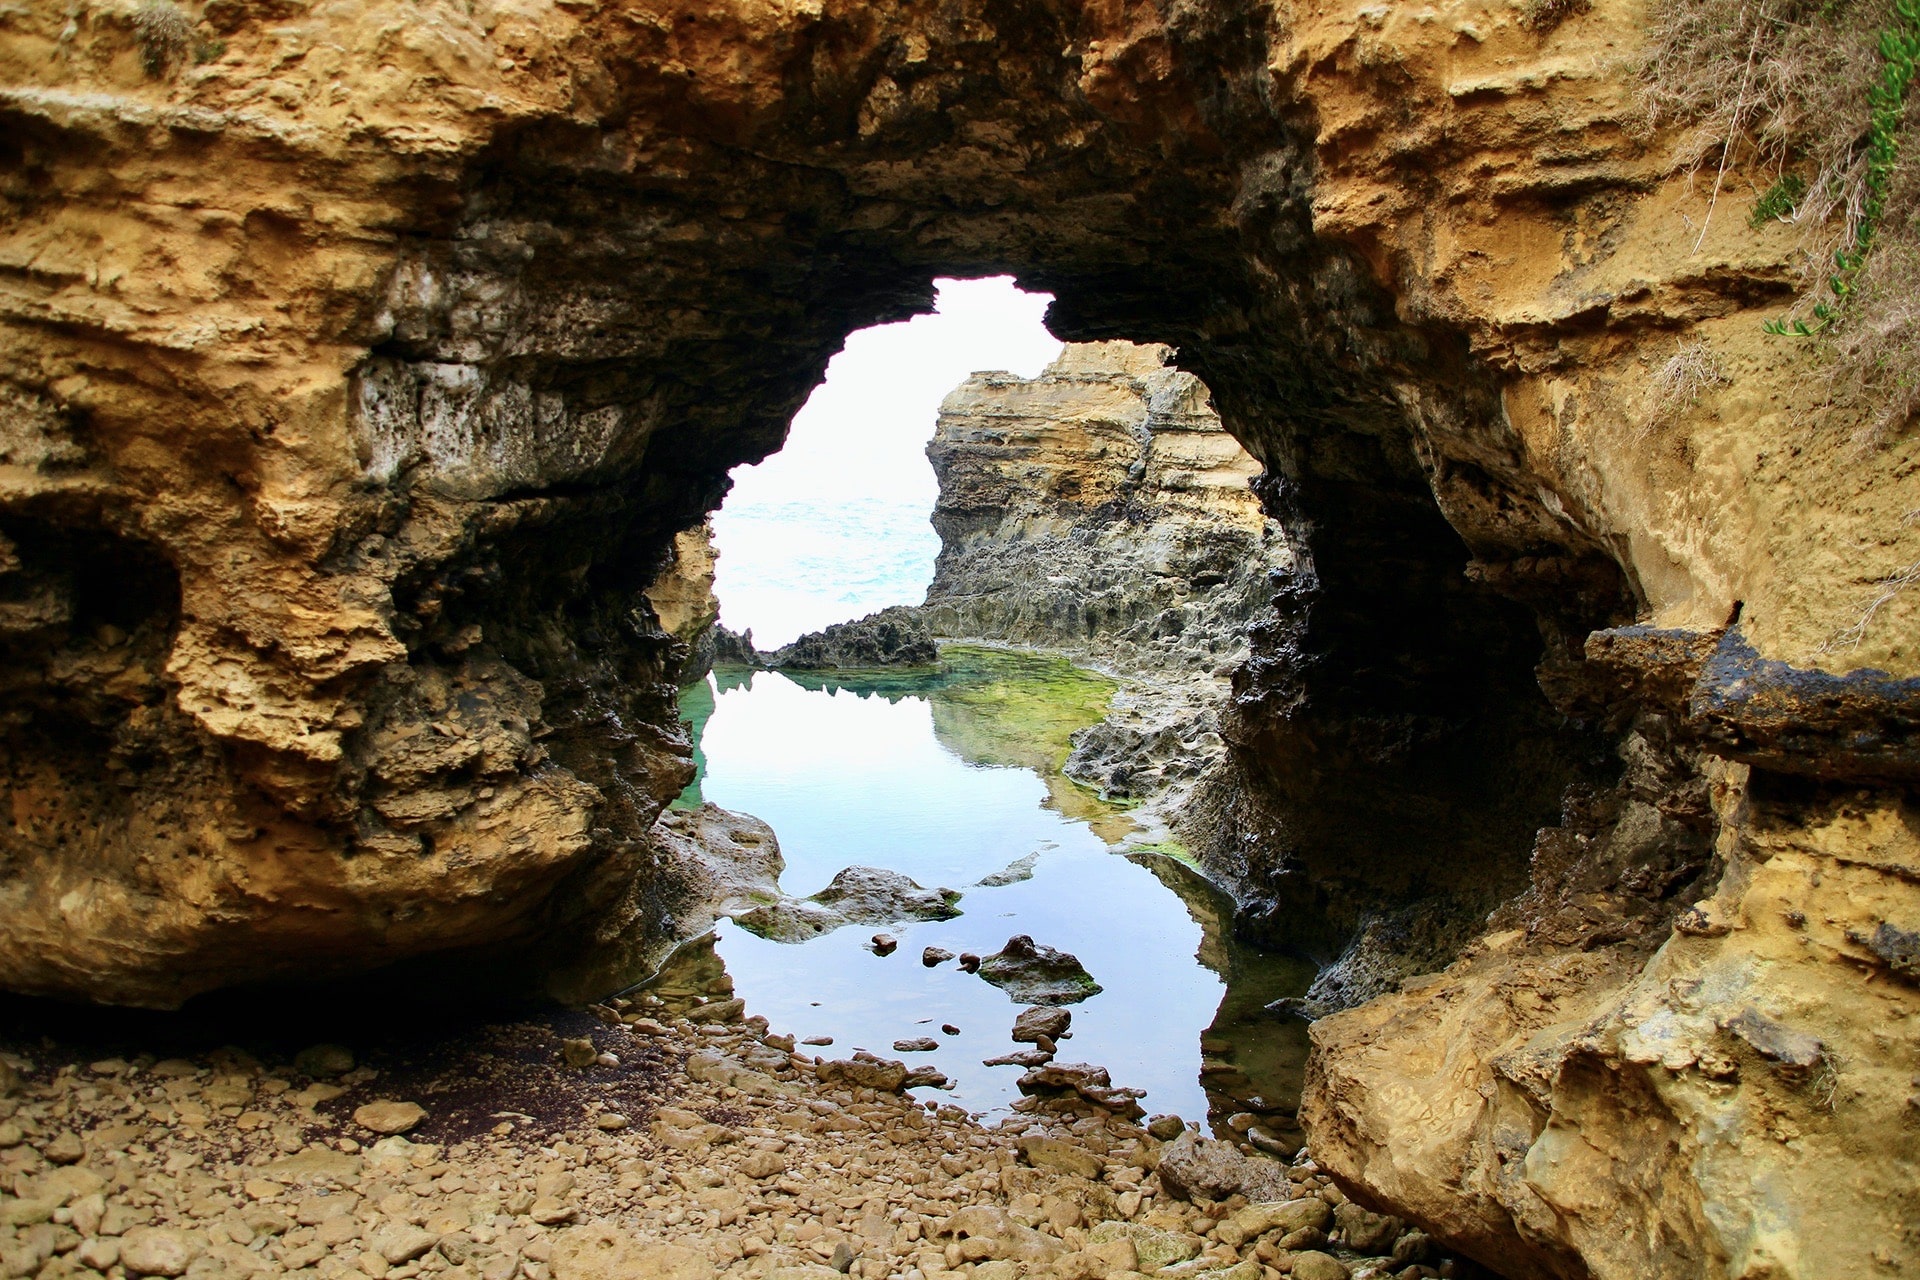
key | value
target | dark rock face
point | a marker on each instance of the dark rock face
(896, 637)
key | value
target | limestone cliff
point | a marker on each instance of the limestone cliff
(362, 358)
(1100, 507)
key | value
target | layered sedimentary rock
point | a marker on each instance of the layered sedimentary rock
(362, 358)
(1101, 506)
(1103, 509)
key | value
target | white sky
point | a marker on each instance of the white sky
(864, 431)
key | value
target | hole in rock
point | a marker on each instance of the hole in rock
(1060, 476)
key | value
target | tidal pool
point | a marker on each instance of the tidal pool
(953, 778)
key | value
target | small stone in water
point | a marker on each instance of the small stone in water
(919, 1044)
(935, 955)
(947, 1028)
(818, 1040)
(885, 944)
(611, 1121)
(969, 962)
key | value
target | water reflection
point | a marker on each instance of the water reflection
(953, 778)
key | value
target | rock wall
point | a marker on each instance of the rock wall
(1102, 507)
(363, 357)
(683, 602)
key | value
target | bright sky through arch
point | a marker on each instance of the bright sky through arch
(863, 432)
(834, 526)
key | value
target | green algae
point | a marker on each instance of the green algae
(1015, 709)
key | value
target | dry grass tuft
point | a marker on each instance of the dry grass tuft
(1778, 90)
(1679, 383)
(165, 35)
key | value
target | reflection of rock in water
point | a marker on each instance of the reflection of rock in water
(692, 976)
(1253, 1062)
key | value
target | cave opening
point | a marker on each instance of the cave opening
(1016, 733)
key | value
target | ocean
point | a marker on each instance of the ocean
(790, 567)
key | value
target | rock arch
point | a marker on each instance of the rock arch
(407, 335)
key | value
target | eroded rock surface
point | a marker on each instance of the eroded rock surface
(896, 637)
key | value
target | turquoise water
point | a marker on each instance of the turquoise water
(928, 775)
(790, 567)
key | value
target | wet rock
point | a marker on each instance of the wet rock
(1192, 1166)
(884, 944)
(919, 1044)
(1040, 1021)
(818, 1041)
(388, 1116)
(933, 956)
(927, 1077)
(1023, 1058)
(1089, 1082)
(1013, 873)
(948, 1029)
(1036, 974)
(969, 962)
(578, 1053)
(896, 637)
(858, 895)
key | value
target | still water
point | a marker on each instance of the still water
(953, 778)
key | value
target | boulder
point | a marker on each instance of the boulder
(1193, 1166)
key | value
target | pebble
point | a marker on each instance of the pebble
(885, 944)
(763, 1165)
(919, 1044)
(935, 956)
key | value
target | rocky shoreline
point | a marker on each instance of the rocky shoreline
(635, 1141)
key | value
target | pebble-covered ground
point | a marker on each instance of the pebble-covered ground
(576, 1147)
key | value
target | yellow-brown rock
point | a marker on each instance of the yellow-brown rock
(361, 360)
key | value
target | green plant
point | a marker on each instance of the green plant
(1779, 201)
(1899, 45)
(165, 36)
